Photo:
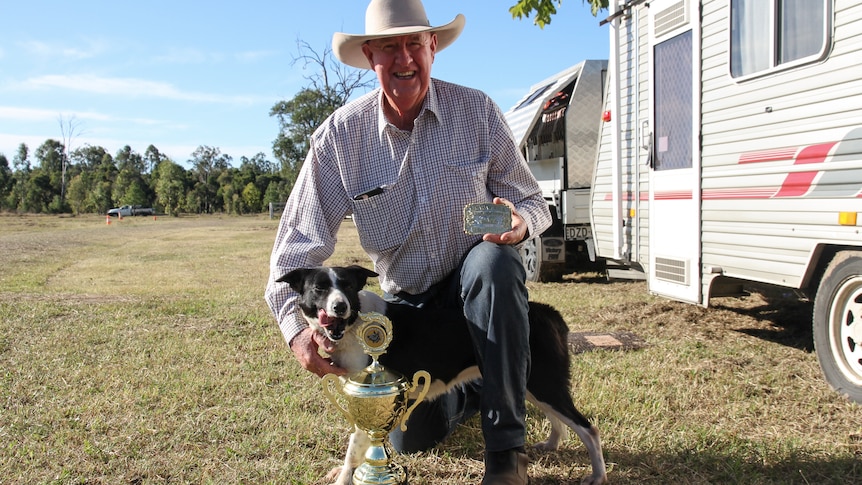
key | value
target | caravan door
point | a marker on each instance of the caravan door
(674, 192)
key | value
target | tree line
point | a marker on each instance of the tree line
(54, 179)
(91, 180)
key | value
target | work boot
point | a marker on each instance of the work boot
(506, 467)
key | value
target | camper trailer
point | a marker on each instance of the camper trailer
(732, 155)
(556, 126)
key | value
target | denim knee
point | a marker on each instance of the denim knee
(494, 264)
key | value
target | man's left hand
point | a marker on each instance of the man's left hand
(519, 227)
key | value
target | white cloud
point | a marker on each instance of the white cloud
(41, 115)
(26, 114)
(9, 143)
(129, 87)
(253, 56)
(186, 55)
(44, 49)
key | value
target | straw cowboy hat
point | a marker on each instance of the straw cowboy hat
(390, 18)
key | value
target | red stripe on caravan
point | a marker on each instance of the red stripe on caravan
(768, 155)
(676, 195)
(753, 193)
(673, 195)
(628, 196)
(799, 183)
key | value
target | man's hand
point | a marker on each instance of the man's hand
(519, 227)
(305, 347)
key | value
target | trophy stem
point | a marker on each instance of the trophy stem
(378, 468)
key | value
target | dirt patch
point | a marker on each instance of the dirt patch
(580, 342)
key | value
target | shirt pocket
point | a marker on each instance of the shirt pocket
(383, 221)
(466, 179)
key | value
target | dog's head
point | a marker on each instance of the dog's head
(329, 297)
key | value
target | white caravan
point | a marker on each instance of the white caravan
(733, 154)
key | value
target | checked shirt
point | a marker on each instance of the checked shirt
(460, 151)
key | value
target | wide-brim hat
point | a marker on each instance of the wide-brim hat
(390, 18)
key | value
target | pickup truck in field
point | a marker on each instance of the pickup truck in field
(131, 210)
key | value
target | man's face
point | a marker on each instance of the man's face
(403, 67)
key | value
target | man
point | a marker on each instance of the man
(404, 160)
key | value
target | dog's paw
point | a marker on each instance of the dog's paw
(339, 476)
(333, 475)
(547, 445)
(595, 479)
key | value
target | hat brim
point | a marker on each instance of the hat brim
(348, 47)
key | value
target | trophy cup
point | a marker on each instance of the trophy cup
(376, 401)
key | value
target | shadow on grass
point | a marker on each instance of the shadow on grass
(592, 278)
(788, 319)
(569, 466)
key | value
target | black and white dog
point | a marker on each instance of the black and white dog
(438, 341)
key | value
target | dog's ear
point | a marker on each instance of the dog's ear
(295, 279)
(361, 274)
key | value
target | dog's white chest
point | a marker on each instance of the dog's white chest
(350, 355)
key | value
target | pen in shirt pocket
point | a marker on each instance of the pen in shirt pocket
(370, 193)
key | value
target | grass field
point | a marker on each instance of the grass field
(142, 352)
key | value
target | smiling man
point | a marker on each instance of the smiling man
(403, 66)
(404, 160)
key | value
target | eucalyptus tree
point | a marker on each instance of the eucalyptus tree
(152, 158)
(6, 180)
(45, 187)
(207, 164)
(91, 182)
(69, 129)
(20, 175)
(131, 186)
(545, 9)
(330, 85)
(171, 186)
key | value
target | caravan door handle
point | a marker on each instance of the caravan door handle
(646, 136)
(646, 144)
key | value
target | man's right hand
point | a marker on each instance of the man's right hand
(305, 347)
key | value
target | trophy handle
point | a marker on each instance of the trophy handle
(423, 375)
(331, 381)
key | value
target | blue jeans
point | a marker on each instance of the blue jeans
(489, 286)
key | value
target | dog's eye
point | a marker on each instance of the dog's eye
(319, 289)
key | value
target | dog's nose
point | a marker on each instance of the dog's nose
(340, 308)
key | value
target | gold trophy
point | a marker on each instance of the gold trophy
(376, 401)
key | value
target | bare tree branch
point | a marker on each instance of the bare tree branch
(330, 76)
(69, 129)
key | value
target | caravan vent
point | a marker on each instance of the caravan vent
(672, 270)
(671, 18)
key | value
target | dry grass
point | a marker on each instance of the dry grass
(142, 352)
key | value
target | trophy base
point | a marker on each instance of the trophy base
(391, 474)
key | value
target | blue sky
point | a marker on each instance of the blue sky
(182, 74)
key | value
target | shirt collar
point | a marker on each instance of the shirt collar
(430, 104)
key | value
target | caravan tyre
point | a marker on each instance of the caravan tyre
(838, 324)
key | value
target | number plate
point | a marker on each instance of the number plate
(578, 233)
(487, 219)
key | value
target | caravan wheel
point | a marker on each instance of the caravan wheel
(838, 324)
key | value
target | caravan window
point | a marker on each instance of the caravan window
(768, 34)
